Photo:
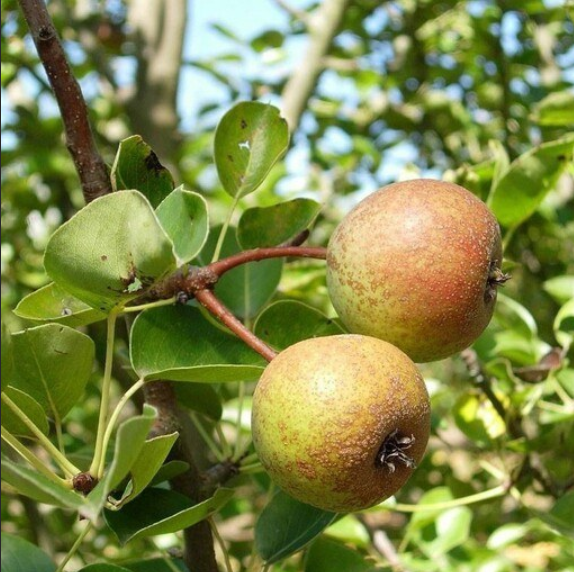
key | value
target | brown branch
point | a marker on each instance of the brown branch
(199, 555)
(92, 170)
(257, 254)
(209, 301)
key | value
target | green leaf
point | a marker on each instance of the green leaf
(183, 216)
(168, 471)
(137, 167)
(151, 458)
(452, 530)
(104, 568)
(52, 303)
(130, 440)
(179, 344)
(511, 315)
(7, 351)
(249, 140)
(556, 110)
(563, 510)
(287, 525)
(561, 288)
(564, 325)
(32, 484)
(271, 226)
(246, 288)
(349, 529)
(304, 323)
(478, 419)
(33, 410)
(529, 179)
(110, 251)
(54, 365)
(328, 555)
(161, 511)
(19, 555)
(200, 397)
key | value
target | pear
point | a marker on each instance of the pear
(340, 422)
(417, 264)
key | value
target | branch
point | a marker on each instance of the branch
(257, 254)
(89, 164)
(322, 26)
(199, 553)
(209, 301)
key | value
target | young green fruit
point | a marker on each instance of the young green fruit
(417, 264)
(340, 422)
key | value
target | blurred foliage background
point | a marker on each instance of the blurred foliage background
(374, 92)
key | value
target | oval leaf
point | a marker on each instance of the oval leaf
(110, 251)
(54, 365)
(564, 325)
(249, 140)
(137, 167)
(528, 180)
(183, 215)
(19, 555)
(160, 511)
(104, 568)
(52, 303)
(33, 410)
(304, 323)
(271, 226)
(179, 344)
(287, 525)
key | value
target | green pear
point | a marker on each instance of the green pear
(340, 422)
(417, 264)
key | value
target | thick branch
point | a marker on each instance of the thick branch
(209, 301)
(89, 164)
(199, 553)
(322, 26)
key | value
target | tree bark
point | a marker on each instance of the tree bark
(158, 28)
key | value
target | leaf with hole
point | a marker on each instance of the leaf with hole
(249, 140)
(110, 252)
(52, 303)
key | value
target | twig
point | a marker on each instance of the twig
(209, 301)
(92, 170)
(257, 254)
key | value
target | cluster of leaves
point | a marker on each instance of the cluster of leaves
(458, 78)
(119, 247)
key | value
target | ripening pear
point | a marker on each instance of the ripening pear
(417, 264)
(340, 422)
